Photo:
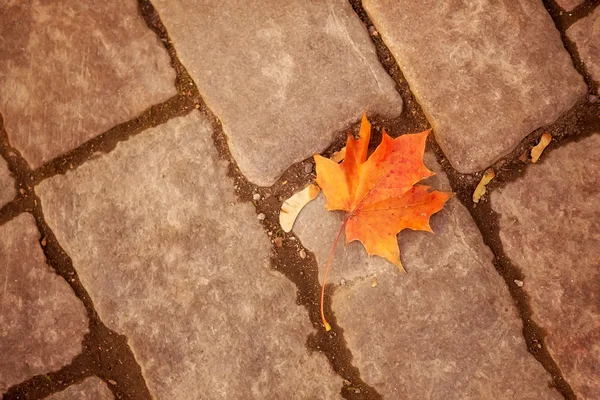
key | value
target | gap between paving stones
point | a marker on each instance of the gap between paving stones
(563, 20)
(25, 178)
(579, 122)
(26, 201)
(105, 353)
(286, 259)
(305, 277)
(568, 18)
(179, 105)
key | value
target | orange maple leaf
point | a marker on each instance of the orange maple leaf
(379, 194)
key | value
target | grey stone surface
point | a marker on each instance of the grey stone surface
(90, 389)
(447, 329)
(485, 73)
(569, 5)
(174, 262)
(42, 323)
(550, 228)
(586, 35)
(284, 77)
(71, 70)
(7, 184)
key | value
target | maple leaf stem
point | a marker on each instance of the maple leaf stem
(335, 242)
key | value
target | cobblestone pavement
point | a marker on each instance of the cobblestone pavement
(146, 150)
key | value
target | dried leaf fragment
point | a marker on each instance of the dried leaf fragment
(488, 175)
(536, 152)
(292, 206)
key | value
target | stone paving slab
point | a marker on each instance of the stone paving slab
(569, 5)
(7, 184)
(90, 389)
(42, 323)
(485, 73)
(283, 77)
(71, 70)
(171, 260)
(447, 329)
(586, 35)
(550, 228)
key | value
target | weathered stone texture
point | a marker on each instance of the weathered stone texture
(586, 35)
(90, 389)
(447, 329)
(7, 184)
(73, 69)
(42, 323)
(550, 228)
(569, 5)
(486, 73)
(285, 77)
(174, 262)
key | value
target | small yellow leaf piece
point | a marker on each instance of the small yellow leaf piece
(488, 175)
(536, 152)
(292, 206)
(338, 156)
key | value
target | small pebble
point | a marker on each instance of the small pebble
(342, 281)
(593, 98)
(261, 217)
(302, 253)
(44, 242)
(373, 31)
(308, 168)
(256, 196)
(518, 283)
(114, 383)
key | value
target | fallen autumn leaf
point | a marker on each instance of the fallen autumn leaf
(379, 193)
